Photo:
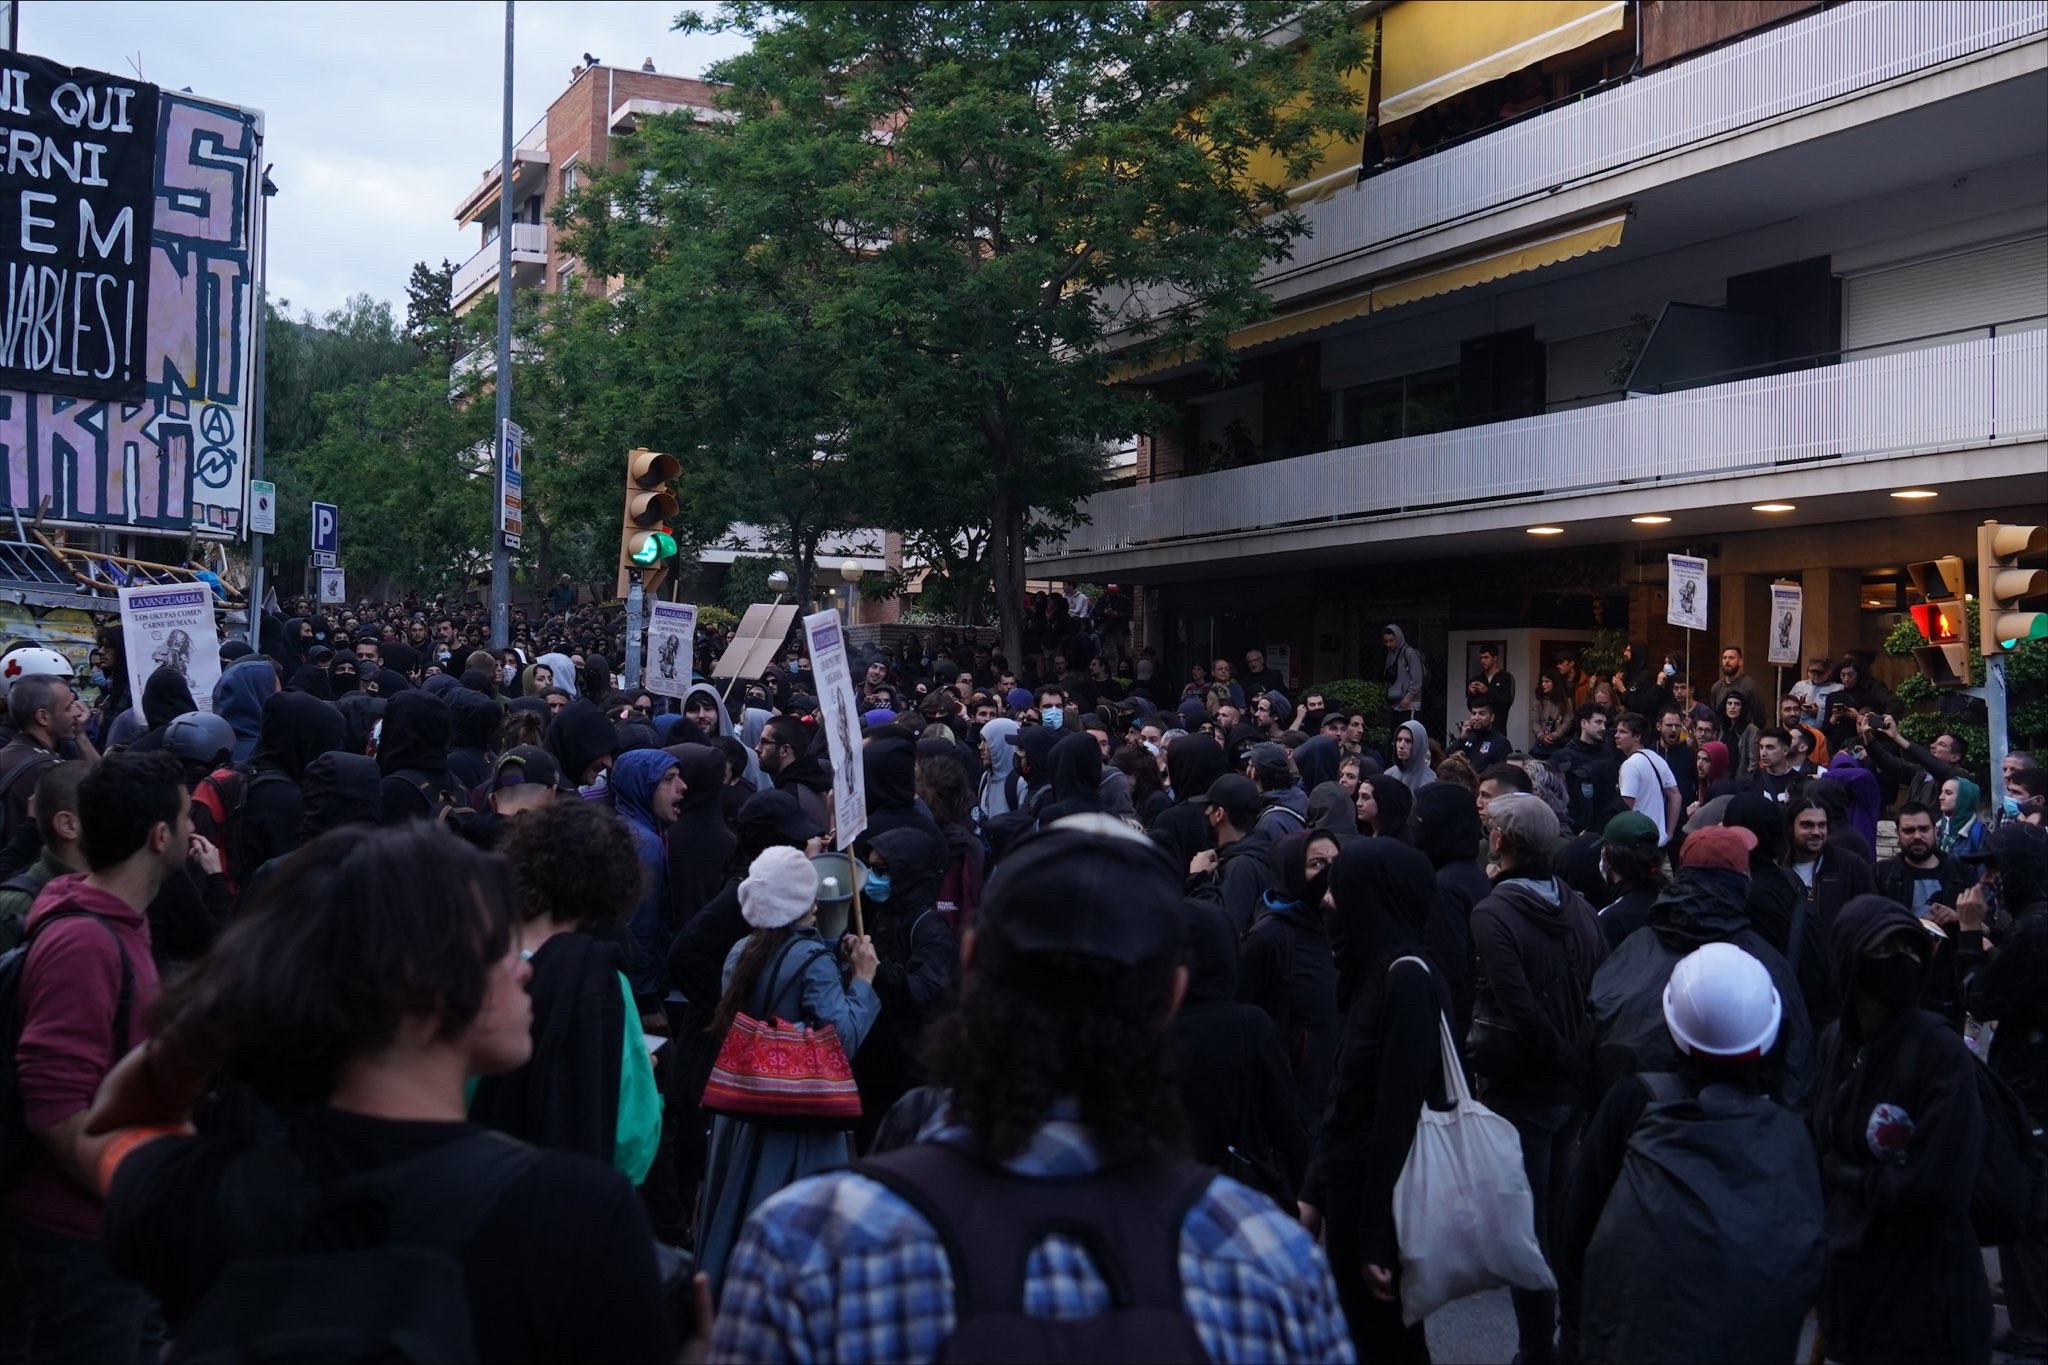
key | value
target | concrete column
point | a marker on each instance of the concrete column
(1834, 613)
(1742, 616)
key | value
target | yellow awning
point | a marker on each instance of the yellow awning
(1434, 49)
(1492, 264)
(1335, 169)
(1501, 262)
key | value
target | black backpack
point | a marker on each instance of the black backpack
(443, 802)
(16, 1142)
(1127, 1217)
(1712, 1240)
(280, 1300)
(2009, 1202)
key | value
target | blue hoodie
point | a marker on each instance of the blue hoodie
(634, 776)
(238, 699)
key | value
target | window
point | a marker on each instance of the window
(1407, 406)
(572, 177)
(565, 277)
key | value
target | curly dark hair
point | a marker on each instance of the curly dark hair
(521, 727)
(1028, 1032)
(573, 862)
(942, 782)
(358, 932)
(1136, 762)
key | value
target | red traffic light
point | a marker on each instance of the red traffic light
(1937, 623)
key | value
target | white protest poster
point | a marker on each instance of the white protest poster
(172, 627)
(671, 648)
(1686, 592)
(1787, 611)
(333, 587)
(840, 713)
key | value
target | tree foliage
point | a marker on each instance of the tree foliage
(896, 284)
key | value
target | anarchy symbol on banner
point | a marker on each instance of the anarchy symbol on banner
(216, 462)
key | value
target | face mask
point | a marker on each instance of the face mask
(508, 675)
(1893, 982)
(600, 786)
(1052, 717)
(876, 888)
(1316, 888)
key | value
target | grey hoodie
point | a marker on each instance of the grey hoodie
(1416, 773)
(1405, 666)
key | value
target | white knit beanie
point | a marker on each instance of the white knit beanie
(781, 887)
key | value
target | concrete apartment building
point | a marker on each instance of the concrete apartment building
(575, 139)
(1761, 282)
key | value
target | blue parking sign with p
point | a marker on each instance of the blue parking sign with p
(326, 533)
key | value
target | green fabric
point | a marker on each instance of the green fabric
(1956, 827)
(639, 1100)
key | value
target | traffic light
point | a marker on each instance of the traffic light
(645, 542)
(2002, 585)
(1945, 659)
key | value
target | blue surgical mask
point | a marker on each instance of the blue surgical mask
(1052, 718)
(876, 888)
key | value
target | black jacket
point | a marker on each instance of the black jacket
(1244, 874)
(1538, 945)
(1899, 1146)
(1592, 778)
(1893, 879)
(1234, 1070)
(918, 975)
(2012, 988)
(1841, 876)
(566, 1096)
(1286, 969)
(297, 728)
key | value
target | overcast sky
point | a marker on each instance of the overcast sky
(378, 117)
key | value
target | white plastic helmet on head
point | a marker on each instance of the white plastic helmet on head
(1720, 1003)
(33, 660)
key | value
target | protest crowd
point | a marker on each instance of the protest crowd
(483, 1001)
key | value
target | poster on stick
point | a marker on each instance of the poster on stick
(1787, 611)
(171, 627)
(671, 648)
(840, 712)
(1686, 592)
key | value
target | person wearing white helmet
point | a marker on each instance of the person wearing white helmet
(1694, 1222)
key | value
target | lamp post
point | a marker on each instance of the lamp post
(852, 573)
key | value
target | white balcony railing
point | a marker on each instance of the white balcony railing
(529, 247)
(1957, 396)
(1803, 63)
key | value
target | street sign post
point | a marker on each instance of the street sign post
(510, 523)
(262, 508)
(326, 535)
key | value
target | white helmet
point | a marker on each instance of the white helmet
(1720, 1003)
(31, 660)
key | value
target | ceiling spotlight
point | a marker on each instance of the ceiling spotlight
(1651, 519)
(1914, 494)
(1773, 507)
(1546, 530)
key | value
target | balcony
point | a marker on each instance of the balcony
(529, 263)
(1760, 79)
(1984, 390)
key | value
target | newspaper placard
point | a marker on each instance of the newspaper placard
(841, 715)
(671, 648)
(172, 628)
(333, 588)
(1686, 592)
(1787, 616)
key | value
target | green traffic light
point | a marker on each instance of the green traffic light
(654, 547)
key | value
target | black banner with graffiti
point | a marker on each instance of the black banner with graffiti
(78, 152)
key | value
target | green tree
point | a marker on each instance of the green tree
(931, 233)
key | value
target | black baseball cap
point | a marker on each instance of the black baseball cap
(524, 763)
(1231, 792)
(781, 812)
(1087, 886)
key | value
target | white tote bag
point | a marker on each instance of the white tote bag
(1462, 1210)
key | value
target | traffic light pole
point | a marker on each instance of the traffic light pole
(635, 608)
(1994, 722)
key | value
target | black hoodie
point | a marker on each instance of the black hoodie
(1899, 1125)
(476, 719)
(1389, 1054)
(296, 729)
(919, 972)
(1192, 763)
(1234, 1073)
(165, 696)
(1076, 778)
(890, 767)
(1447, 832)
(1286, 968)
(2013, 987)
(1537, 944)
(578, 736)
(699, 843)
(413, 757)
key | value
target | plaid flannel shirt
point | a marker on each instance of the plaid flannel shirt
(839, 1268)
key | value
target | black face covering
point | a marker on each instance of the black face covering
(1893, 982)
